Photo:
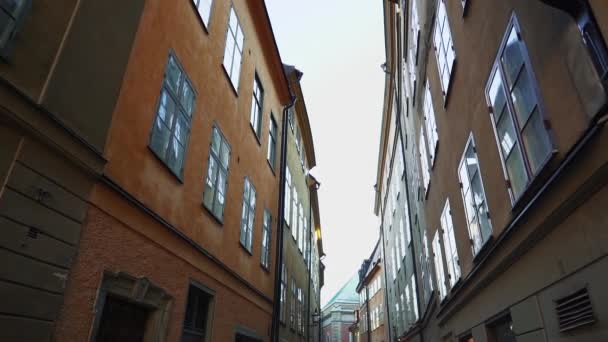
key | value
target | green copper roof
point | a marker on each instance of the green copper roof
(348, 292)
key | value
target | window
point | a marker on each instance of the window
(171, 130)
(415, 26)
(439, 272)
(394, 264)
(204, 10)
(272, 142)
(266, 235)
(521, 131)
(234, 49)
(432, 136)
(288, 200)
(299, 310)
(214, 196)
(444, 48)
(424, 163)
(292, 307)
(449, 240)
(257, 106)
(282, 311)
(12, 13)
(502, 330)
(196, 321)
(291, 118)
(301, 228)
(402, 239)
(474, 197)
(248, 215)
(295, 229)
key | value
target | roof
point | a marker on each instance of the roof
(346, 294)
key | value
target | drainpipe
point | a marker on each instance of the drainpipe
(309, 262)
(278, 270)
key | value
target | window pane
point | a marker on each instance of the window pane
(166, 109)
(524, 99)
(512, 57)
(187, 98)
(173, 74)
(233, 20)
(469, 206)
(212, 172)
(229, 53)
(484, 222)
(216, 142)
(160, 138)
(536, 141)
(497, 94)
(181, 129)
(236, 70)
(471, 161)
(225, 154)
(239, 41)
(176, 156)
(506, 133)
(517, 172)
(479, 197)
(464, 177)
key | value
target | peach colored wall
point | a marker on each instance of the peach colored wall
(175, 26)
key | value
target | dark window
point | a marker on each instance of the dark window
(272, 141)
(266, 235)
(257, 106)
(122, 321)
(12, 13)
(214, 196)
(198, 310)
(502, 331)
(171, 130)
(521, 131)
(248, 215)
(283, 311)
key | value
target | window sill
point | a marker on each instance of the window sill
(271, 168)
(245, 249)
(180, 177)
(218, 220)
(485, 247)
(236, 92)
(535, 182)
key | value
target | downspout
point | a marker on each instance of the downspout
(400, 129)
(309, 263)
(278, 270)
(386, 305)
(369, 323)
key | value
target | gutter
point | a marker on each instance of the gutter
(278, 270)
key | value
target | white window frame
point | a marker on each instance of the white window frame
(519, 145)
(439, 270)
(449, 240)
(445, 52)
(218, 167)
(476, 233)
(204, 8)
(235, 40)
(266, 239)
(248, 215)
(257, 106)
(430, 124)
(424, 163)
(288, 200)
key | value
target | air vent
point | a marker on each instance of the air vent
(574, 311)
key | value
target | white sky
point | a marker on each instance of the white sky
(339, 46)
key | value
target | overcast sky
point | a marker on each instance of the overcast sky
(339, 46)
